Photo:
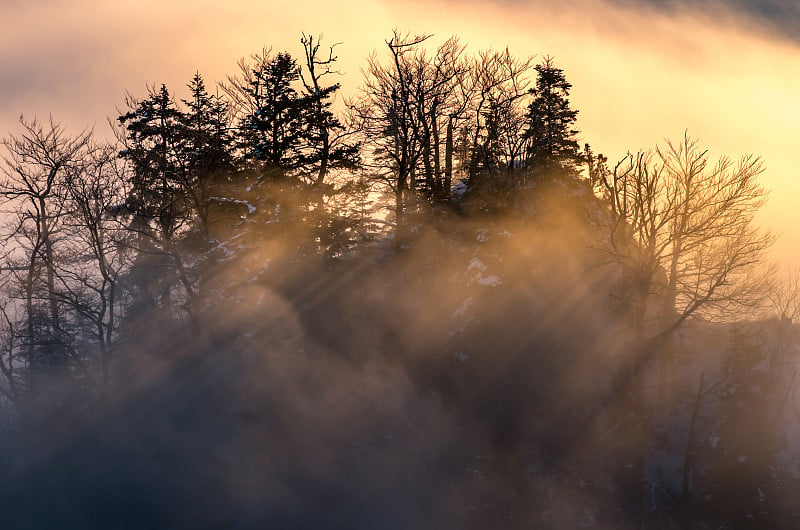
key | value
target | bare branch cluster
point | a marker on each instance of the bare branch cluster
(683, 227)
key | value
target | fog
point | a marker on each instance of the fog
(485, 367)
(397, 392)
(475, 379)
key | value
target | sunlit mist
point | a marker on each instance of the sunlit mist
(462, 265)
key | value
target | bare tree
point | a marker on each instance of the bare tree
(328, 148)
(408, 110)
(499, 86)
(36, 164)
(439, 100)
(240, 88)
(386, 116)
(784, 295)
(91, 287)
(63, 255)
(681, 230)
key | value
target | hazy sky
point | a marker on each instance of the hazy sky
(726, 71)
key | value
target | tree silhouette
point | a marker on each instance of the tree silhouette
(326, 148)
(385, 111)
(161, 211)
(272, 133)
(36, 167)
(408, 110)
(551, 121)
(206, 152)
(92, 285)
(681, 229)
(495, 132)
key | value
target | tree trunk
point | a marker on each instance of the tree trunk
(668, 352)
(448, 159)
(31, 330)
(324, 156)
(687, 453)
(49, 265)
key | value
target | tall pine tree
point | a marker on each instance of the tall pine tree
(551, 134)
(273, 132)
(161, 212)
(152, 141)
(206, 150)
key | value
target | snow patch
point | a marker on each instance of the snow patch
(459, 189)
(250, 207)
(491, 280)
(221, 246)
(462, 309)
(476, 264)
(479, 266)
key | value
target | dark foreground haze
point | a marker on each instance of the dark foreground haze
(434, 309)
(473, 380)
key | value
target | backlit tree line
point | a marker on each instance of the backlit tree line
(205, 192)
(98, 234)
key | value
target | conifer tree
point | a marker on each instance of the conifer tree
(206, 150)
(272, 133)
(551, 133)
(161, 214)
(152, 142)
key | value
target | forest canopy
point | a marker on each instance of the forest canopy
(427, 303)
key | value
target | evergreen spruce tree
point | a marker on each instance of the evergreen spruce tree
(551, 133)
(152, 141)
(160, 211)
(206, 150)
(273, 132)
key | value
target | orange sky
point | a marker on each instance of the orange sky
(639, 75)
